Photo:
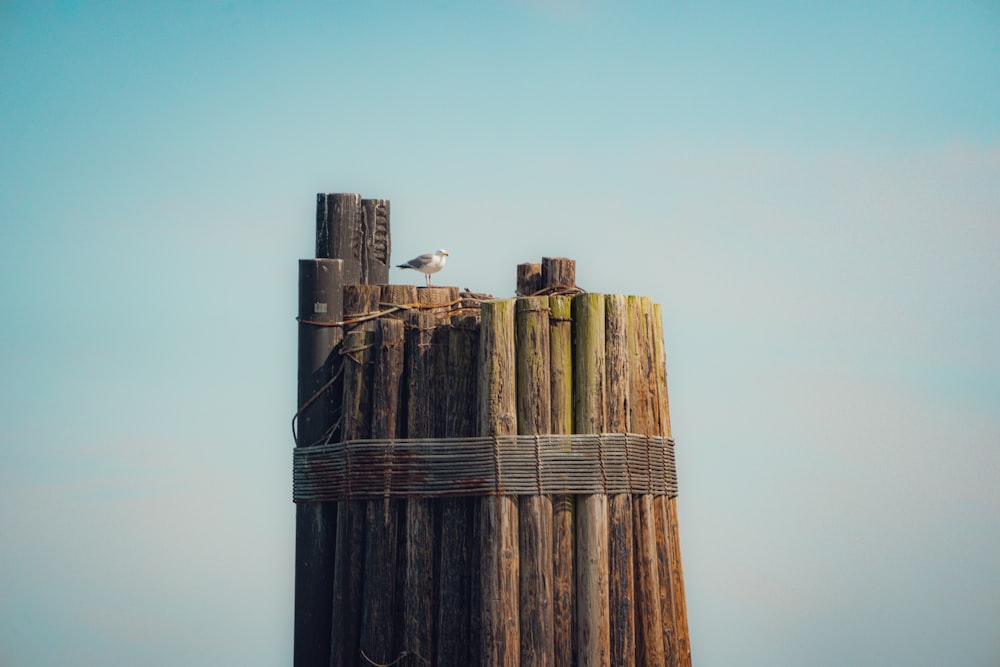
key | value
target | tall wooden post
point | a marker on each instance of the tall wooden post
(320, 300)
(357, 231)
(358, 352)
(620, 504)
(648, 589)
(563, 506)
(418, 593)
(380, 602)
(534, 417)
(646, 421)
(501, 628)
(593, 626)
(458, 613)
(376, 242)
(670, 504)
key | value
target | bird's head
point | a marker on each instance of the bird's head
(442, 251)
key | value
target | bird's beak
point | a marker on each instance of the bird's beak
(447, 255)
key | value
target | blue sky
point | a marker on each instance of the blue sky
(809, 189)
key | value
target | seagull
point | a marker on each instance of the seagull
(427, 264)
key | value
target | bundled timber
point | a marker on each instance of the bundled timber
(479, 481)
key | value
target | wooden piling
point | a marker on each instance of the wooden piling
(320, 300)
(338, 231)
(621, 588)
(650, 628)
(458, 613)
(419, 591)
(376, 242)
(380, 606)
(534, 417)
(529, 278)
(398, 295)
(593, 629)
(500, 634)
(502, 580)
(670, 504)
(561, 377)
(553, 270)
(646, 422)
(358, 353)
(558, 272)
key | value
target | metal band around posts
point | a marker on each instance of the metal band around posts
(608, 463)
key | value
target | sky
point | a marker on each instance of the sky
(810, 189)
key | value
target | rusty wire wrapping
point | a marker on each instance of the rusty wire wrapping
(486, 465)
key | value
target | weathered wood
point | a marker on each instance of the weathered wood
(345, 633)
(458, 644)
(418, 594)
(320, 299)
(593, 628)
(621, 573)
(561, 377)
(529, 278)
(338, 232)
(379, 600)
(670, 504)
(358, 353)
(534, 417)
(437, 300)
(398, 295)
(558, 272)
(645, 421)
(651, 634)
(500, 634)
(376, 241)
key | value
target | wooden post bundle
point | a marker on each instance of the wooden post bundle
(556, 575)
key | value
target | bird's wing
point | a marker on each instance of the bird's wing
(422, 260)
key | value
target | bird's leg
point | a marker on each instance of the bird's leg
(427, 277)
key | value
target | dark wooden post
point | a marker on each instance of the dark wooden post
(621, 570)
(338, 231)
(320, 299)
(418, 593)
(534, 417)
(458, 611)
(358, 352)
(376, 242)
(593, 629)
(501, 629)
(357, 231)
(379, 606)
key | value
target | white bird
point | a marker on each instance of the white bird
(427, 264)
